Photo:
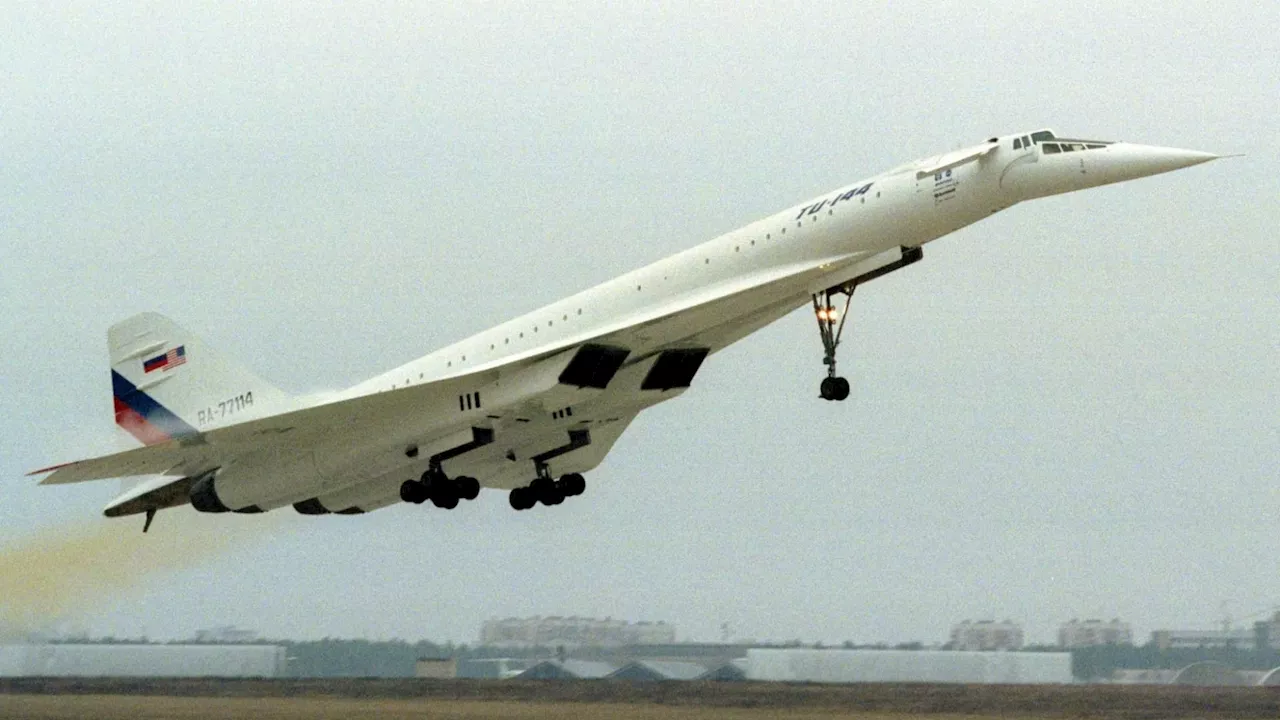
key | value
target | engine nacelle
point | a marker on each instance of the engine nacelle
(255, 483)
(204, 497)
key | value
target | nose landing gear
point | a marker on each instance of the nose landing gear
(831, 326)
(831, 319)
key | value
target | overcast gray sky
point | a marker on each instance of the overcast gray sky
(1067, 410)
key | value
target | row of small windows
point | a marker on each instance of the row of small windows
(705, 261)
(470, 401)
(519, 336)
(560, 414)
(769, 236)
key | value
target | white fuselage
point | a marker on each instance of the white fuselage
(710, 296)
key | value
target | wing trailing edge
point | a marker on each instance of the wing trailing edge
(148, 460)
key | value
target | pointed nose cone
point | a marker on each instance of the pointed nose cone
(1125, 161)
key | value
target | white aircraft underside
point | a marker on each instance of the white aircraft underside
(531, 405)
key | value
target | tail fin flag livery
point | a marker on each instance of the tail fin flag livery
(167, 384)
(532, 404)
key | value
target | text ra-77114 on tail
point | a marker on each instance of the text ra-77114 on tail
(532, 404)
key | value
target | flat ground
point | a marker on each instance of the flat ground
(118, 707)
(108, 699)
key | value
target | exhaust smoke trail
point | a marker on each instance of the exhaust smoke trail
(62, 572)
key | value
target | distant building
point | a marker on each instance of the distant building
(572, 632)
(1091, 633)
(494, 668)
(985, 635)
(897, 666)
(1242, 639)
(567, 670)
(439, 668)
(658, 670)
(1266, 633)
(226, 634)
(120, 660)
(732, 671)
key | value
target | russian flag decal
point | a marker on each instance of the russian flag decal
(171, 359)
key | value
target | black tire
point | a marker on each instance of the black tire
(446, 500)
(520, 499)
(573, 484)
(549, 494)
(827, 390)
(468, 487)
(841, 389)
(412, 491)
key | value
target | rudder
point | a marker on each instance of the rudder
(166, 383)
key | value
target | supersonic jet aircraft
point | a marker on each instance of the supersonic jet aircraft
(530, 405)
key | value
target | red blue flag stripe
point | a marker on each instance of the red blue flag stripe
(143, 417)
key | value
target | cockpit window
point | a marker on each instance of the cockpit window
(1041, 136)
(1017, 143)
(1065, 146)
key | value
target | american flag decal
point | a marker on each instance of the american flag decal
(171, 359)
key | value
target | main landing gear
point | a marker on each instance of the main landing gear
(547, 491)
(831, 327)
(440, 489)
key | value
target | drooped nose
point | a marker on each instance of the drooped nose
(1126, 161)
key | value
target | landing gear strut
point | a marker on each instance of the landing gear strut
(831, 326)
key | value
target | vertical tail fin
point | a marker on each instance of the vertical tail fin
(167, 383)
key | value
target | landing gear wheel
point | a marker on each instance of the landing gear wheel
(521, 498)
(412, 491)
(547, 492)
(444, 498)
(468, 487)
(834, 388)
(573, 484)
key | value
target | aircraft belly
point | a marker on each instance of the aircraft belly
(365, 492)
(258, 479)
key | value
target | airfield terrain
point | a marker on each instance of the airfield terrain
(108, 699)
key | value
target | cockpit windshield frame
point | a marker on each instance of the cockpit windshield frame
(1066, 145)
